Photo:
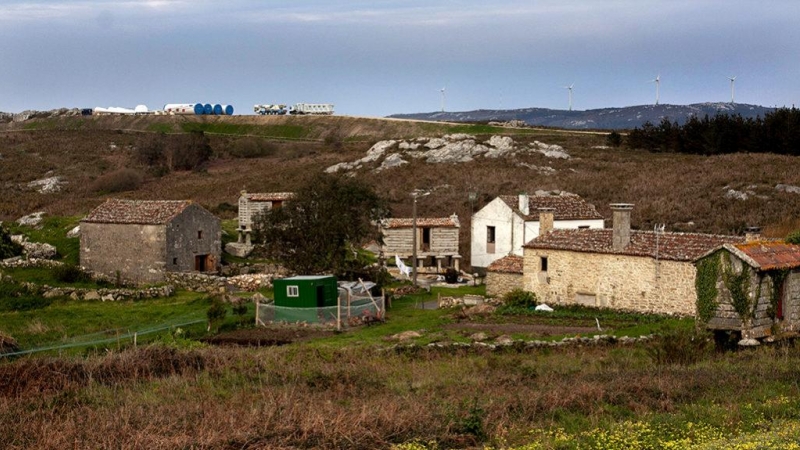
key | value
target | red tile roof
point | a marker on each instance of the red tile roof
(508, 264)
(407, 222)
(671, 246)
(565, 206)
(771, 255)
(145, 212)
(269, 196)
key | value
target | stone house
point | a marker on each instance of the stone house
(751, 288)
(252, 204)
(506, 223)
(437, 241)
(140, 240)
(643, 271)
(504, 275)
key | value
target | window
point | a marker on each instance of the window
(174, 261)
(490, 237)
(583, 227)
(544, 263)
(199, 234)
(292, 291)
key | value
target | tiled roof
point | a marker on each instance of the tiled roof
(146, 212)
(407, 222)
(565, 206)
(269, 196)
(671, 246)
(766, 255)
(508, 264)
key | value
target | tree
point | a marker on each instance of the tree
(8, 248)
(323, 227)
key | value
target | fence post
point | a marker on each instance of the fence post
(338, 313)
(256, 313)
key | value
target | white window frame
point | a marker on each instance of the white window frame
(293, 291)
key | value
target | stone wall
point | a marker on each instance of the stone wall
(135, 251)
(498, 283)
(194, 232)
(197, 282)
(19, 261)
(632, 283)
(110, 295)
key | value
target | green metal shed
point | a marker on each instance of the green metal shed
(299, 298)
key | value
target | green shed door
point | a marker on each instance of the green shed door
(321, 296)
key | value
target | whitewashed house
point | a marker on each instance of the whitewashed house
(508, 222)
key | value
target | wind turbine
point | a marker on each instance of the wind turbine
(657, 81)
(733, 80)
(570, 94)
(442, 91)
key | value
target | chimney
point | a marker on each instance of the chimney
(545, 220)
(524, 204)
(752, 234)
(622, 225)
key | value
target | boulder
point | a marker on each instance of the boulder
(788, 188)
(393, 160)
(405, 336)
(75, 232)
(47, 185)
(31, 220)
(91, 295)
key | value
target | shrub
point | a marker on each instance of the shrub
(614, 139)
(793, 237)
(70, 273)
(451, 275)
(679, 347)
(250, 147)
(118, 181)
(520, 298)
(216, 313)
(8, 248)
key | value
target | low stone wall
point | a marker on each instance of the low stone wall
(499, 283)
(19, 261)
(197, 282)
(103, 294)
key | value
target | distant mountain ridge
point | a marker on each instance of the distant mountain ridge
(606, 118)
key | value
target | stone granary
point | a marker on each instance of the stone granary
(252, 204)
(644, 271)
(506, 223)
(752, 288)
(504, 275)
(140, 240)
(437, 241)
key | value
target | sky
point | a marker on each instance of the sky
(381, 57)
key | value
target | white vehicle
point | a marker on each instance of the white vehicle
(312, 108)
(270, 110)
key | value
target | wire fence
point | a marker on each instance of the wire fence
(352, 310)
(117, 335)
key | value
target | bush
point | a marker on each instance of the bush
(216, 313)
(520, 298)
(8, 248)
(679, 347)
(250, 147)
(793, 237)
(614, 139)
(118, 181)
(70, 273)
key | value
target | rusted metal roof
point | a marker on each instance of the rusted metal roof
(269, 196)
(145, 212)
(771, 255)
(565, 207)
(428, 222)
(507, 264)
(670, 246)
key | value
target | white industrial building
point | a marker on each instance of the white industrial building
(508, 222)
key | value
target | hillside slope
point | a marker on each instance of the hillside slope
(720, 194)
(606, 118)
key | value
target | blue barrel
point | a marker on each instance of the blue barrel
(218, 109)
(228, 110)
(208, 109)
(198, 109)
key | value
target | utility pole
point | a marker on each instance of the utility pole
(415, 194)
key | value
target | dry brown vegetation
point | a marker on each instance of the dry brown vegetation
(289, 397)
(683, 191)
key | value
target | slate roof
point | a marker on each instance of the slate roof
(769, 255)
(269, 196)
(566, 207)
(671, 246)
(432, 222)
(507, 264)
(144, 212)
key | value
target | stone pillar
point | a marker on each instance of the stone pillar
(438, 264)
(248, 238)
(546, 217)
(622, 225)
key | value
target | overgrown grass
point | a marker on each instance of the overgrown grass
(273, 131)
